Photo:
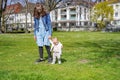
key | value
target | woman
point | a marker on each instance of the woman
(42, 30)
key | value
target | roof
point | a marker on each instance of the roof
(111, 1)
(114, 1)
(14, 8)
(18, 8)
(85, 3)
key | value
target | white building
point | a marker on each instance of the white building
(71, 16)
(116, 7)
(116, 16)
(17, 16)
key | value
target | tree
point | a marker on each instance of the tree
(49, 5)
(26, 12)
(5, 16)
(3, 4)
(102, 12)
(24, 2)
(54, 4)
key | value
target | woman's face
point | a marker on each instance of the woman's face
(39, 7)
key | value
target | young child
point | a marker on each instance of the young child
(56, 48)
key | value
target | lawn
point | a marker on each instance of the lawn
(86, 56)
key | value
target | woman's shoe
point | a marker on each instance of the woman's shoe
(39, 60)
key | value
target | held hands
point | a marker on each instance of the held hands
(35, 38)
(49, 37)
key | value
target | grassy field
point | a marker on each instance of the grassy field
(86, 56)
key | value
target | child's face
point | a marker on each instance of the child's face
(55, 41)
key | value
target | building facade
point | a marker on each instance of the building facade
(75, 16)
(116, 16)
(116, 7)
(72, 16)
(17, 17)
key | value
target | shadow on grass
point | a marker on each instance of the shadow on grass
(103, 49)
(7, 43)
(62, 59)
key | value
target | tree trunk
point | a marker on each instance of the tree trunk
(3, 24)
(0, 24)
(26, 22)
(26, 26)
(2, 9)
(31, 20)
(1, 16)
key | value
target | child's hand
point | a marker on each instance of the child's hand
(62, 46)
(49, 37)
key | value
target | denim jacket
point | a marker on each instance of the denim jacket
(47, 23)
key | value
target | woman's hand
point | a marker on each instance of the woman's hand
(35, 38)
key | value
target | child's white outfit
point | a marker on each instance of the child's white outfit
(57, 51)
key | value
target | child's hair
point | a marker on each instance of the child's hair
(55, 40)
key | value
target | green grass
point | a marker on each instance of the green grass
(86, 56)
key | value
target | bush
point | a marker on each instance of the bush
(55, 29)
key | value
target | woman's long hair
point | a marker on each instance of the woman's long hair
(38, 14)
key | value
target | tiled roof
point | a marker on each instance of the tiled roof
(14, 8)
(18, 8)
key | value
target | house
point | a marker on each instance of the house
(17, 17)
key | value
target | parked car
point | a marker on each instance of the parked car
(111, 28)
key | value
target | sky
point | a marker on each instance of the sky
(23, 3)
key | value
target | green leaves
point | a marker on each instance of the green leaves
(102, 12)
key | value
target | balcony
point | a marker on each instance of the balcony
(63, 18)
(72, 12)
(63, 13)
(72, 18)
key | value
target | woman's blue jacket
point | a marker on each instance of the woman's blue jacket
(47, 23)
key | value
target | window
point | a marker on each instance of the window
(63, 24)
(73, 15)
(116, 14)
(72, 24)
(85, 23)
(63, 17)
(85, 13)
(117, 6)
(73, 9)
(11, 19)
(63, 11)
(80, 24)
(80, 12)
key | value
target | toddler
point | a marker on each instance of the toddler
(56, 48)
